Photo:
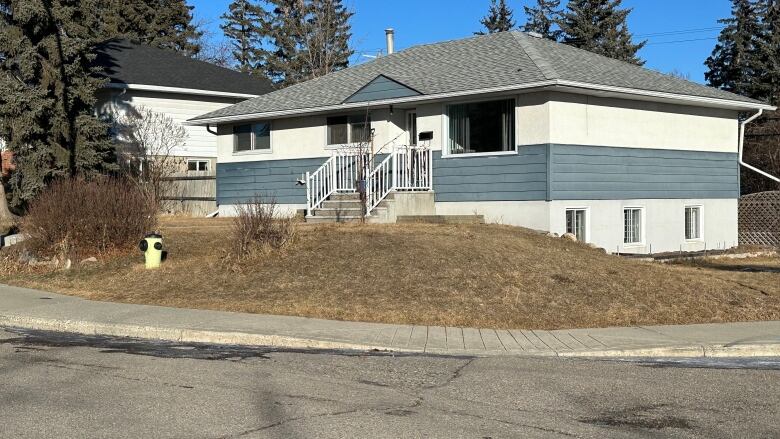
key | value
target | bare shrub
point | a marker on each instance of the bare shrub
(80, 217)
(258, 227)
(146, 144)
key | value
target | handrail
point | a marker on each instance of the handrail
(380, 182)
(320, 184)
(405, 168)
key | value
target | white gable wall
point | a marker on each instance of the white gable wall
(179, 107)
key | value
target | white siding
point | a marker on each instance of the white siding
(179, 107)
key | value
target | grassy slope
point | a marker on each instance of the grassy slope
(486, 276)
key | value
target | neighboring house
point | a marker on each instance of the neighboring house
(520, 129)
(178, 86)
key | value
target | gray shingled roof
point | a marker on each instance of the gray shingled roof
(125, 62)
(498, 60)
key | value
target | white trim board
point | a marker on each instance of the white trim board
(189, 91)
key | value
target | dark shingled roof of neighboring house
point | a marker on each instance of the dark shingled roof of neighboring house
(504, 59)
(125, 62)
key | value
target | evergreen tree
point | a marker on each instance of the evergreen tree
(160, 23)
(243, 28)
(600, 26)
(766, 62)
(732, 65)
(47, 93)
(307, 39)
(498, 19)
(542, 18)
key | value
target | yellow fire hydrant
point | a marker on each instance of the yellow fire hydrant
(152, 247)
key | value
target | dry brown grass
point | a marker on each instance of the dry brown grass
(474, 275)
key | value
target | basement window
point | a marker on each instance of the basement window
(254, 137)
(692, 223)
(344, 130)
(632, 225)
(576, 223)
(481, 127)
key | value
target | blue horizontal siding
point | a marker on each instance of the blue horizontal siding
(240, 182)
(609, 173)
(516, 177)
(571, 172)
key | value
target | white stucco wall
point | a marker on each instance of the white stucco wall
(663, 224)
(530, 214)
(179, 107)
(589, 120)
(306, 137)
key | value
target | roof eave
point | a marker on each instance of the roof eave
(666, 97)
(178, 90)
(541, 85)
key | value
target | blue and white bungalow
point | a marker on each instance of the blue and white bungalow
(520, 129)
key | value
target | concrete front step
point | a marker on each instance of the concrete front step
(340, 219)
(341, 204)
(347, 196)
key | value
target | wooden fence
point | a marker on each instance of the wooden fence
(194, 193)
(759, 219)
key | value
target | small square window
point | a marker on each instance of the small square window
(575, 223)
(252, 137)
(632, 225)
(693, 222)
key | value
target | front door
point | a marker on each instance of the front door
(411, 126)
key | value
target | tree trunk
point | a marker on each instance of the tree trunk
(7, 219)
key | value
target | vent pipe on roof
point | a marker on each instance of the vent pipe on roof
(390, 36)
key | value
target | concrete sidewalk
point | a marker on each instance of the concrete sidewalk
(31, 309)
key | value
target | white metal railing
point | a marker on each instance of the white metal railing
(406, 168)
(413, 169)
(320, 184)
(380, 182)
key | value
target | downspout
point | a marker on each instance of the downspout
(742, 144)
(216, 212)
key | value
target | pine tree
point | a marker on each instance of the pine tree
(160, 23)
(498, 19)
(243, 28)
(47, 93)
(307, 38)
(600, 26)
(542, 18)
(732, 65)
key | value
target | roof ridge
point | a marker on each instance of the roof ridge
(544, 66)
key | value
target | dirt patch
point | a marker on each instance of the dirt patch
(447, 275)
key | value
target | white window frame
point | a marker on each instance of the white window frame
(587, 220)
(700, 225)
(253, 150)
(642, 226)
(338, 146)
(206, 161)
(445, 128)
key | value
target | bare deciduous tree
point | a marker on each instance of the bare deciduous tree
(146, 144)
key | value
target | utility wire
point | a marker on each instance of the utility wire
(681, 32)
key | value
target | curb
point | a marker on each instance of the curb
(279, 341)
(179, 335)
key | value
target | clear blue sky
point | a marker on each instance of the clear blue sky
(663, 22)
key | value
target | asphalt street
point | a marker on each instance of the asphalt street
(61, 386)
